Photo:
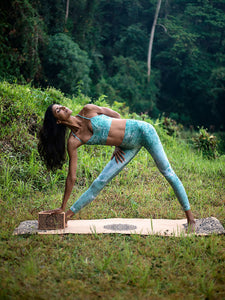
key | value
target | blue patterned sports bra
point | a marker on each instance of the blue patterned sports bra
(100, 125)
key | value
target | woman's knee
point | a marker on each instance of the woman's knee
(97, 185)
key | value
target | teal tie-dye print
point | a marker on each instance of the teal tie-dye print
(100, 125)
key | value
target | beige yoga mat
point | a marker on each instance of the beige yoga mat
(163, 227)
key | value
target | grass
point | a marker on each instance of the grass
(101, 266)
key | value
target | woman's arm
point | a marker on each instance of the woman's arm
(102, 110)
(71, 177)
(72, 146)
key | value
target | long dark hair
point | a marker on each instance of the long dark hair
(51, 146)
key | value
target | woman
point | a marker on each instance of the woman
(96, 125)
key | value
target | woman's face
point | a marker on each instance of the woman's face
(61, 113)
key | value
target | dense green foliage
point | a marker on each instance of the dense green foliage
(104, 45)
(66, 64)
(103, 266)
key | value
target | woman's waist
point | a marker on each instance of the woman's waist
(135, 133)
(116, 132)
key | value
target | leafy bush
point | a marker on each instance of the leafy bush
(171, 126)
(206, 143)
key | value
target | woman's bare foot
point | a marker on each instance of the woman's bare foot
(190, 220)
(68, 216)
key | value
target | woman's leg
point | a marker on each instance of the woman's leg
(153, 145)
(110, 171)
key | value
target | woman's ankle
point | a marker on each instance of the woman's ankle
(190, 217)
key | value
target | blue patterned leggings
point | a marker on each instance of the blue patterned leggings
(137, 134)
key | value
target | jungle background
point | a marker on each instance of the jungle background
(102, 46)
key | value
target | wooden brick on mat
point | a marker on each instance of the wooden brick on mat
(47, 221)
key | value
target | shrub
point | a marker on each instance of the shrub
(171, 126)
(206, 143)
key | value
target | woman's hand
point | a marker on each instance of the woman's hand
(54, 211)
(118, 154)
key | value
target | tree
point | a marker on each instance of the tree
(186, 58)
(129, 83)
(66, 65)
(67, 11)
(152, 37)
(21, 33)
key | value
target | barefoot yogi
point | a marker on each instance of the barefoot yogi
(96, 125)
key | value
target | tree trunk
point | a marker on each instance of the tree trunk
(152, 37)
(67, 11)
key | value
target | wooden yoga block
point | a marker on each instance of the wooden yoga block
(47, 221)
